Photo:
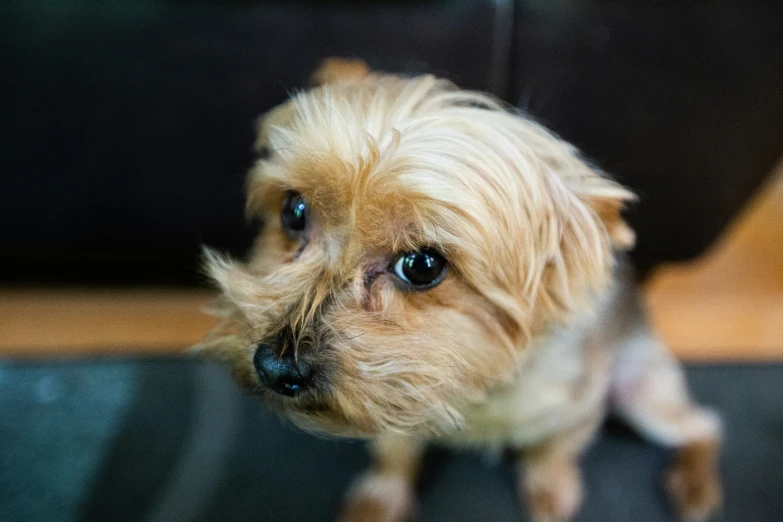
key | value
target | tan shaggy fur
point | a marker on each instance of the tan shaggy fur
(535, 325)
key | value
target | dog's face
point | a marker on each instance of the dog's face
(416, 237)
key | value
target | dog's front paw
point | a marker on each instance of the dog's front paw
(379, 498)
(693, 483)
(552, 493)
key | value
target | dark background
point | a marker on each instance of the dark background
(127, 125)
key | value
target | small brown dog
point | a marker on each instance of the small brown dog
(438, 268)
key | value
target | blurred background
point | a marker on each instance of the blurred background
(125, 134)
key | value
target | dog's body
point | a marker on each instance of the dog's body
(571, 376)
(569, 380)
(445, 270)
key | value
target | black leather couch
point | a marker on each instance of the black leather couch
(127, 125)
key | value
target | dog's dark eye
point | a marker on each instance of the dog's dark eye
(422, 269)
(294, 214)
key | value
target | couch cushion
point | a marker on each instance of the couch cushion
(128, 125)
(680, 101)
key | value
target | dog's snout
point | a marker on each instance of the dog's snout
(281, 373)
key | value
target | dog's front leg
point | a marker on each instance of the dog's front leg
(385, 492)
(549, 479)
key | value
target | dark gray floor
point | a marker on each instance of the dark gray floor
(172, 440)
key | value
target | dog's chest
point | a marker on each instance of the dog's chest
(561, 382)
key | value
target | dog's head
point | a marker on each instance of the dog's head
(416, 237)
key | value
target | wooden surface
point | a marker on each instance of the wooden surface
(53, 322)
(728, 305)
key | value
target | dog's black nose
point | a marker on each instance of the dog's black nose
(281, 373)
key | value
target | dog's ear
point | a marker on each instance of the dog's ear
(339, 70)
(607, 199)
(590, 224)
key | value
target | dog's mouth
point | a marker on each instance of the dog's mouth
(309, 401)
(328, 413)
(314, 412)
